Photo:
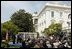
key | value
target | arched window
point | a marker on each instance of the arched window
(69, 16)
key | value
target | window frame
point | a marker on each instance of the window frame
(52, 14)
(69, 16)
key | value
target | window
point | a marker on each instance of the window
(36, 20)
(68, 24)
(40, 24)
(69, 16)
(60, 14)
(52, 13)
(44, 22)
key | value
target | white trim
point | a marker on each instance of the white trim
(52, 5)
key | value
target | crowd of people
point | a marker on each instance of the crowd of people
(46, 42)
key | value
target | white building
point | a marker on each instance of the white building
(50, 13)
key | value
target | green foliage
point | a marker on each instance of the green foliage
(23, 20)
(53, 28)
(8, 27)
(3, 29)
(3, 45)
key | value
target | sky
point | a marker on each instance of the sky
(9, 7)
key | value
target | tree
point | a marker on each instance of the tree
(54, 28)
(8, 27)
(3, 31)
(23, 20)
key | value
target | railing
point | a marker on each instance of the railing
(28, 34)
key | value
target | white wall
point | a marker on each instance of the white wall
(46, 16)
